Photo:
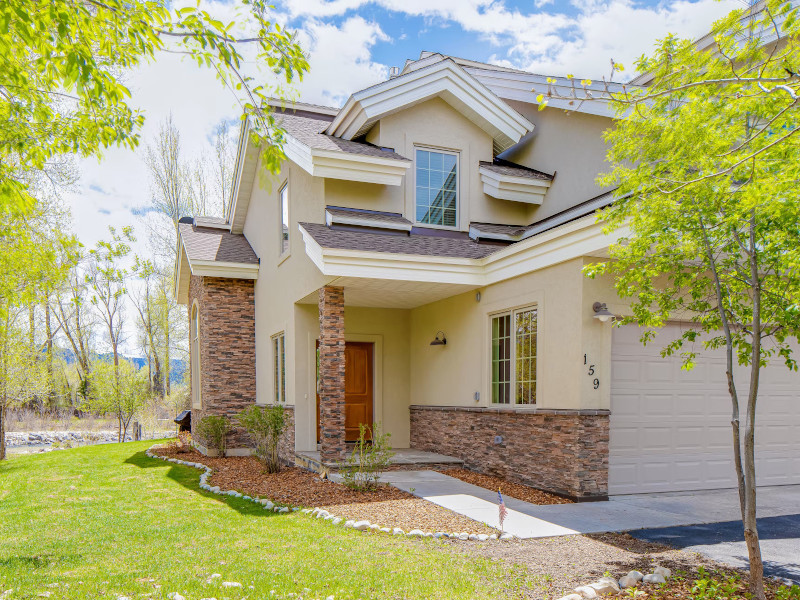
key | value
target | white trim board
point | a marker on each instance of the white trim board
(581, 237)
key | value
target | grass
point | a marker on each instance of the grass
(107, 521)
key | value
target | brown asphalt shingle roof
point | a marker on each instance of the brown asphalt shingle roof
(308, 131)
(417, 244)
(504, 167)
(373, 216)
(211, 243)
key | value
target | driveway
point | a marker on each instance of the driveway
(724, 542)
(619, 513)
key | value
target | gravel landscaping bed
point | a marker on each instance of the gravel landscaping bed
(410, 513)
(386, 506)
(510, 489)
(560, 564)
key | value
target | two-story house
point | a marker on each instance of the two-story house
(417, 262)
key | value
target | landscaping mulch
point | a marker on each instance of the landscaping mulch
(386, 506)
(508, 488)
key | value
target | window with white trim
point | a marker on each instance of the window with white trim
(279, 367)
(436, 200)
(514, 357)
(283, 206)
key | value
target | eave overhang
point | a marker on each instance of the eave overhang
(344, 165)
(516, 189)
(582, 237)
(206, 268)
(443, 79)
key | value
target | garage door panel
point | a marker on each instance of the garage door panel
(670, 429)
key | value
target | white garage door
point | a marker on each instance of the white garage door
(670, 429)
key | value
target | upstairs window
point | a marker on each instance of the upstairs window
(283, 201)
(437, 188)
(514, 357)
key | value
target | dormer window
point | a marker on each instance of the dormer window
(437, 188)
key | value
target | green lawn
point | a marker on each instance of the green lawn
(101, 521)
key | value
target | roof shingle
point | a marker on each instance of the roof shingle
(308, 131)
(417, 244)
(504, 167)
(213, 244)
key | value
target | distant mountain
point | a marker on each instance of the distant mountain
(178, 368)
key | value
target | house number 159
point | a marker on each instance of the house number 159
(590, 372)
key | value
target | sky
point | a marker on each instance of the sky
(352, 44)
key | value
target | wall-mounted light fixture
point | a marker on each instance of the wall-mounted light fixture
(439, 340)
(601, 312)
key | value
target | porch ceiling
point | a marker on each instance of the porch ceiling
(389, 293)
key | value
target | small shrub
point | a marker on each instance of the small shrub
(264, 425)
(362, 468)
(184, 442)
(788, 593)
(212, 431)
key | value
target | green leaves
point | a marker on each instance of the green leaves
(706, 166)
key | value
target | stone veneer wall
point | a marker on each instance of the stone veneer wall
(565, 452)
(286, 443)
(331, 373)
(227, 348)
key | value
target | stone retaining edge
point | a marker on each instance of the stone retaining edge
(320, 513)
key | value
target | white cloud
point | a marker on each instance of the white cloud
(340, 59)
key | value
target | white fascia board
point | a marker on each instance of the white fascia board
(526, 87)
(580, 238)
(241, 150)
(441, 78)
(182, 275)
(342, 165)
(397, 267)
(354, 219)
(228, 270)
(516, 189)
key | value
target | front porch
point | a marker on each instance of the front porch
(404, 459)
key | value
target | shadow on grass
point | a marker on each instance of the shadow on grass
(39, 561)
(189, 477)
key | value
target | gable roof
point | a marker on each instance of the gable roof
(207, 248)
(439, 77)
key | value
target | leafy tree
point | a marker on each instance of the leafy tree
(706, 160)
(119, 389)
(33, 258)
(61, 63)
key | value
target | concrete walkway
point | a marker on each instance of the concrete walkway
(620, 513)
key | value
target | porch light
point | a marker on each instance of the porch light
(601, 312)
(439, 340)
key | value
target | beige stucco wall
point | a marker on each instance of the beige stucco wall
(451, 374)
(435, 124)
(281, 279)
(568, 144)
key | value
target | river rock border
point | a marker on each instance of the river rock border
(324, 514)
(608, 586)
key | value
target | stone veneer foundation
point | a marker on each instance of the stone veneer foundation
(227, 349)
(560, 451)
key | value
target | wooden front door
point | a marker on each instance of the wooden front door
(358, 389)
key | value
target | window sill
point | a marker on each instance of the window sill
(282, 258)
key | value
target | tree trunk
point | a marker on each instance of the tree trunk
(749, 515)
(2, 430)
(167, 364)
(49, 331)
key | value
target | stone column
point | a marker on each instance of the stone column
(331, 372)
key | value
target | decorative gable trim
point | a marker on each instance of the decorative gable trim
(516, 189)
(444, 79)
